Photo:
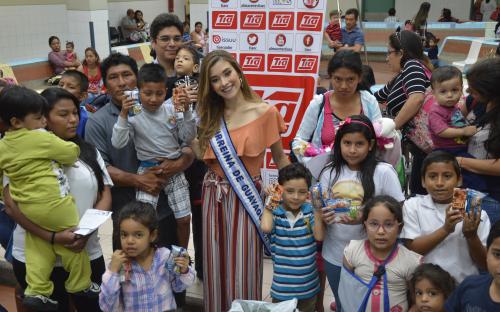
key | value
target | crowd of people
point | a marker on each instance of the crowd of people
(187, 148)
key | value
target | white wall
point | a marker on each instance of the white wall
(78, 31)
(26, 30)
(406, 9)
(198, 13)
(117, 10)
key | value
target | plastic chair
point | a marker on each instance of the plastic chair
(114, 36)
(472, 57)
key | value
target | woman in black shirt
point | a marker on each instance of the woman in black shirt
(405, 93)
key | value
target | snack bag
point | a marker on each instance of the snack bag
(466, 200)
(344, 206)
(175, 252)
(273, 200)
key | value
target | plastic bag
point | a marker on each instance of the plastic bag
(262, 306)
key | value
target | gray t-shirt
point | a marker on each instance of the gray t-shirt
(159, 134)
(98, 131)
(127, 22)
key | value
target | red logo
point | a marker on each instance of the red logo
(310, 4)
(252, 62)
(289, 94)
(254, 1)
(252, 39)
(253, 20)
(281, 20)
(216, 39)
(224, 20)
(279, 63)
(309, 21)
(308, 40)
(280, 40)
(306, 64)
(224, 1)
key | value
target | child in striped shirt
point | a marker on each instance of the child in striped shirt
(294, 227)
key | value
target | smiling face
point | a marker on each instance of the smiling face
(167, 42)
(354, 148)
(152, 95)
(439, 180)
(135, 238)
(225, 80)
(294, 194)
(428, 298)
(63, 119)
(448, 92)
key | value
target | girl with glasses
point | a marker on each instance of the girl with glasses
(382, 220)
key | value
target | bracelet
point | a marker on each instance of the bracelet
(53, 238)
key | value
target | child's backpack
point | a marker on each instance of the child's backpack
(419, 133)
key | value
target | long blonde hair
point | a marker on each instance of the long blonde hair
(210, 106)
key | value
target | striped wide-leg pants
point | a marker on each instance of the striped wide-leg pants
(232, 250)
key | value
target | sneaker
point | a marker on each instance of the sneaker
(40, 303)
(91, 292)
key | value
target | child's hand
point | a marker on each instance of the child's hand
(328, 214)
(118, 258)
(269, 189)
(471, 222)
(127, 103)
(453, 217)
(469, 131)
(182, 263)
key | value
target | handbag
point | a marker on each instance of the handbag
(419, 132)
(355, 293)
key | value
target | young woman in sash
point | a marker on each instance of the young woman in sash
(233, 118)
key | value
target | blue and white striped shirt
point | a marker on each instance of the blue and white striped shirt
(294, 255)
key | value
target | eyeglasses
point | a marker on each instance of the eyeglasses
(165, 39)
(389, 52)
(374, 226)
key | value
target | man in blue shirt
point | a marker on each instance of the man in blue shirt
(352, 36)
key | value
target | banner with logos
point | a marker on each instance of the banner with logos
(278, 45)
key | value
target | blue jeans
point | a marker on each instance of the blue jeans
(333, 275)
(6, 230)
(492, 208)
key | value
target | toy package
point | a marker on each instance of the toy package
(466, 199)
(175, 252)
(343, 206)
(273, 200)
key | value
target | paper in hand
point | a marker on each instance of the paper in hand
(91, 220)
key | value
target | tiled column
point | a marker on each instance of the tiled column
(88, 26)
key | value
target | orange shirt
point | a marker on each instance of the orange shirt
(251, 141)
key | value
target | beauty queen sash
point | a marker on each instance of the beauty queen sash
(239, 178)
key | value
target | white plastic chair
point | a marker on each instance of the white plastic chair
(472, 57)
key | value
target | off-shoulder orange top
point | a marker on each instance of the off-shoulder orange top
(251, 141)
